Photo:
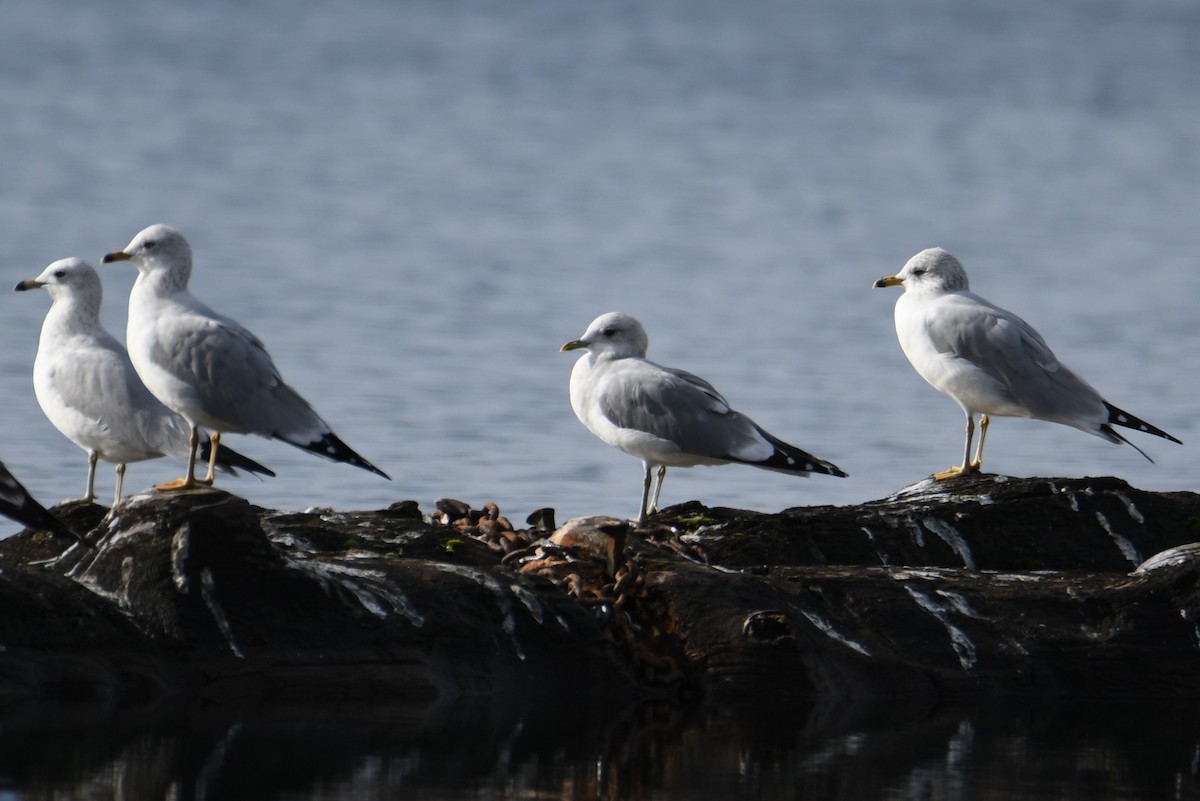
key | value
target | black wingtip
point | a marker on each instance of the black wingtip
(36, 517)
(1120, 417)
(365, 465)
(1107, 429)
(331, 447)
(18, 504)
(232, 461)
(788, 458)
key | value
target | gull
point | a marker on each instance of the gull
(207, 367)
(991, 362)
(88, 388)
(18, 504)
(663, 416)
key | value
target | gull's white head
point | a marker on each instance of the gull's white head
(615, 335)
(931, 272)
(69, 280)
(158, 249)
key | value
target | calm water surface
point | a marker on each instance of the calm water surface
(414, 204)
(1032, 752)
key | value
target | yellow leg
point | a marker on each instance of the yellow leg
(642, 510)
(952, 472)
(189, 481)
(120, 485)
(214, 441)
(977, 465)
(967, 467)
(662, 473)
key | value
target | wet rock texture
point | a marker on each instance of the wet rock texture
(984, 585)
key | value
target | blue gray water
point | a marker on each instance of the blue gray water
(414, 204)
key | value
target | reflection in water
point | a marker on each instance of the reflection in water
(559, 748)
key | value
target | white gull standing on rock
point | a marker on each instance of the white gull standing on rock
(663, 416)
(88, 388)
(206, 366)
(990, 361)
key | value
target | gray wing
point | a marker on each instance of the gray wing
(680, 407)
(234, 377)
(100, 384)
(1012, 353)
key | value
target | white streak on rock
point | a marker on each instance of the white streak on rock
(1033, 575)
(883, 557)
(503, 598)
(208, 592)
(1183, 613)
(1129, 507)
(89, 583)
(530, 601)
(1127, 547)
(371, 588)
(925, 574)
(918, 534)
(959, 641)
(126, 582)
(826, 628)
(960, 604)
(949, 535)
(180, 546)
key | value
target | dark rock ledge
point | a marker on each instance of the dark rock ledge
(980, 586)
